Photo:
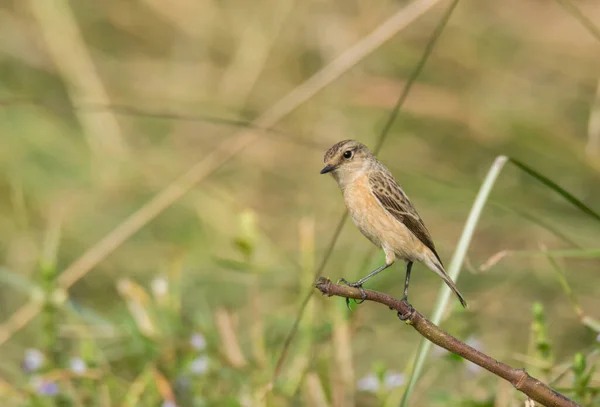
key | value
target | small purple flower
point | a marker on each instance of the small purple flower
(199, 365)
(198, 341)
(45, 387)
(169, 403)
(369, 383)
(78, 366)
(34, 359)
(392, 380)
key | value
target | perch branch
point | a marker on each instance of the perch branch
(519, 378)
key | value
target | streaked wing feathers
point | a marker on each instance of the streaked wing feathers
(392, 198)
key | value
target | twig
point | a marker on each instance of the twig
(519, 378)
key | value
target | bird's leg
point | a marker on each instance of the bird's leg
(358, 284)
(404, 317)
(407, 280)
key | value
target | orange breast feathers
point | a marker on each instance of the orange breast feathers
(379, 226)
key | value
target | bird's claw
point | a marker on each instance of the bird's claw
(408, 314)
(363, 294)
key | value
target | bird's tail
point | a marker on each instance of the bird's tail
(437, 268)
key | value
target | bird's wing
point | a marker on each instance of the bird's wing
(394, 200)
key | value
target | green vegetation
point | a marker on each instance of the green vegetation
(157, 253)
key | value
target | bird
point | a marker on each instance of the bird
(382, 212)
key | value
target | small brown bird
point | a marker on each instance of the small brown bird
(382, 212)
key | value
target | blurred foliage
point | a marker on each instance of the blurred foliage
(193, 309)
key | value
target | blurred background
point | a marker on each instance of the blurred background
(157, 246)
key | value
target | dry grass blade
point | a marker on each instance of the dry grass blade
(138, 303)
(571, 296)
(104, 396)
(74, 63)
(593, 146)
(258, 326)
(231, 347)
(577, 14)
(343, 374)
(181, 13)
(252, 52)
(20, 319)
(314, 393)
(163, 386)
(135, 391)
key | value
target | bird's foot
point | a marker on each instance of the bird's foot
(358, 285)
(408, 314)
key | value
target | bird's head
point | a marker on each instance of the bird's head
(346, 159)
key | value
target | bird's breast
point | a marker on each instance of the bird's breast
(380, 227)
(365, 211)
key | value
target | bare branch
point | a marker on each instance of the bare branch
(519, 378)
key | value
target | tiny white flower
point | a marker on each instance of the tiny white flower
(475, 343)
(438, 351)
(169, 403)
(392, 380)
(199, 365)
(472, 368)
(160, 287)
(34, 359)
(369, 383)
(198, 341)
(77, 366)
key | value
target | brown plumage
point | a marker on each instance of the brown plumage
(382, 211)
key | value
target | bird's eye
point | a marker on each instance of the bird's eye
(347, 154)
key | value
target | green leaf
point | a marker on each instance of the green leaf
(556, 188)
(244, 247)
(231, 264)
(579, 364)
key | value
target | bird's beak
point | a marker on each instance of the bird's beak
(328, 168)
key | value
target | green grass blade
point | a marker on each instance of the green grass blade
(573, 254)
(19, 283)
(539, 221)
(556, 188)
(571, 296)
(559, 254)
(454, 269)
